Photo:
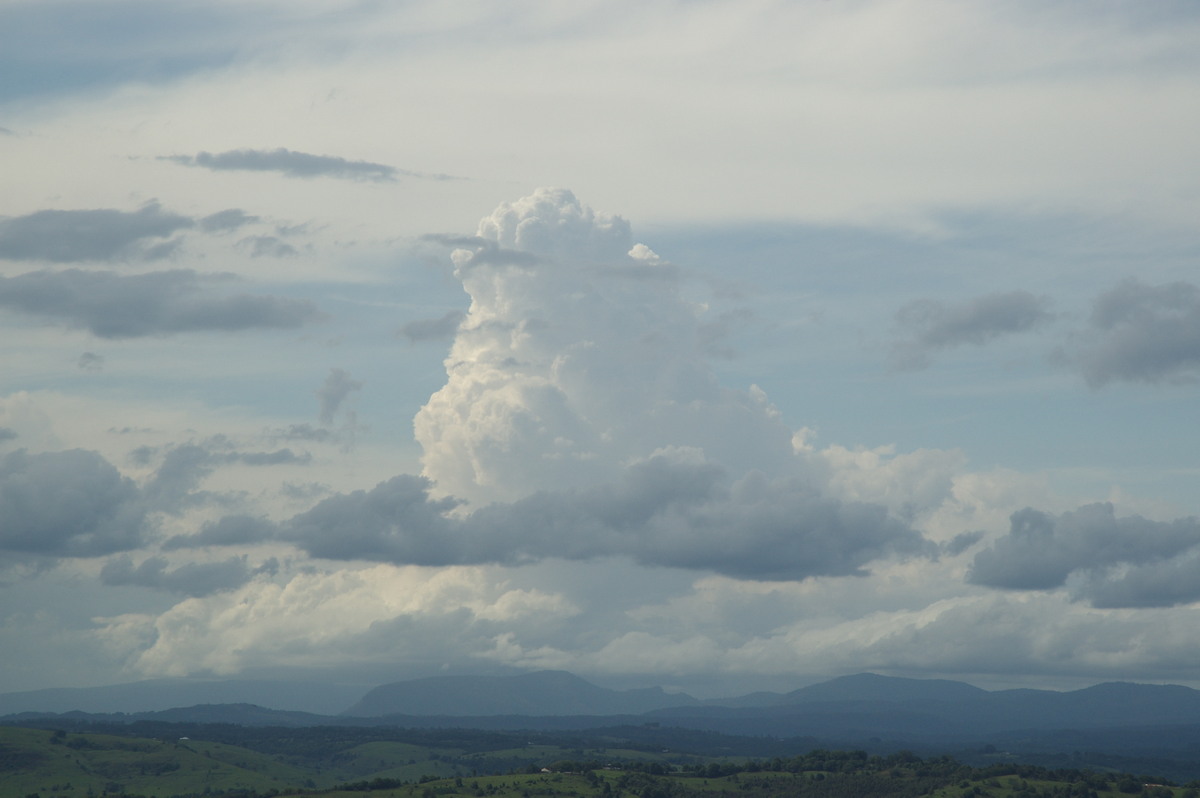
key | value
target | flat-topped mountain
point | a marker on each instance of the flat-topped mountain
(873, 687)
(542, 693)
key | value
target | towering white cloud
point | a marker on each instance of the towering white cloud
(578, 354)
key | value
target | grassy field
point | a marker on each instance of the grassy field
(60, 764)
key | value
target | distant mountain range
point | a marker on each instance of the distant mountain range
(160, 694)
(538, 693)
(862, 707)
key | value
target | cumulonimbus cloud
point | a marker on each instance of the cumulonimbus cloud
(578, 355)
(581, 420)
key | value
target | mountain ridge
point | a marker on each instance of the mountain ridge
(545, 693)
(854, 705)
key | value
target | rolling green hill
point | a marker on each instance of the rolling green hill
(357, 763)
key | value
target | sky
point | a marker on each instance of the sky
(721, 346)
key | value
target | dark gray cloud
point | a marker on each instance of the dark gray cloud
(190, 579)
(87, 235)
(928, 325)
(1158, 584)
(663, 512)
(7, 434)
(223, 221)
(1142, 333)
(438, 329)
(1113, 559)
(232, 530)
(90, 361)
(297, 164)
(396, 521)
(333, 392)
(67, 504)
(110, 305)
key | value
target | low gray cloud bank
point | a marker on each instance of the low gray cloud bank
(294, 164)
(673, 510)
(1143, 333)
(930, 326)
(110, 305)
(86, 235)
(1105, 560)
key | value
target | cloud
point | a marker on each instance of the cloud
(333, 392)
(1129, 561)
(190, 579)
(578, 355)
(395, 522)
(67, 504)
(85, 235)
(673, 510)
(110, 305)
(930, 325)
(302, 432)
(90, 361)
(174, 485)
(313, 619)
(296, 164)
(1142, 333)
(223, 221)
(231, 530)
(268, 246)
(433, 329)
